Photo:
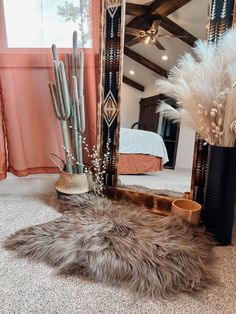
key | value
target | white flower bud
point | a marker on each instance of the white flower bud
(233, 126)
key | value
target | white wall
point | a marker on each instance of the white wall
(130, 98)
(184, 158)
(151, 89)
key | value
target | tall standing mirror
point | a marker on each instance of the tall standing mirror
(155, 152)
(151, 36)
(146, 149)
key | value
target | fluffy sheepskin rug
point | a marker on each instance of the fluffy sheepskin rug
(121, 245)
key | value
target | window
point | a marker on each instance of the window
(40, 23)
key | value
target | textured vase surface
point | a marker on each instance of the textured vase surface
(220, 193)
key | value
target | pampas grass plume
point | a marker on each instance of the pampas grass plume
(204, 86)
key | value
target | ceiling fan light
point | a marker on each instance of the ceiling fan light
(147, 40)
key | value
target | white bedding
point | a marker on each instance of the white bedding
(133, 141)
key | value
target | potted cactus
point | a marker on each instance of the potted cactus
(68, 104)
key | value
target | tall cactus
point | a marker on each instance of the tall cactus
(69, 109)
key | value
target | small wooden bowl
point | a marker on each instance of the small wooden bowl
(189, 210)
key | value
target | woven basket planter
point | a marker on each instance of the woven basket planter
(72, 184)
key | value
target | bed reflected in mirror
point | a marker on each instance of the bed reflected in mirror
(155, 152)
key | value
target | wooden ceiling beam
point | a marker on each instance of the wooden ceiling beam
(133, 84)
(158, 7)
(128, 38)
(145, 62)
(177, 30)
(142, 22)
(164, 8)
(136, 9)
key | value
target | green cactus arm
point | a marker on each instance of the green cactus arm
(77, 123)
(74, 54)
(82, 114)
(58, 88)
(71, 126)
(65, 91)
(55, 53)
(81, 92)
(76, 101)
(56, 63)
(67, 69)
(75, 141)
(52, 89)
(80, 158)
(66, 145)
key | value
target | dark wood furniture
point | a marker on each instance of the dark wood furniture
(149, 120)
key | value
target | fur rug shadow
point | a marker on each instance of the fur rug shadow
(121, 245)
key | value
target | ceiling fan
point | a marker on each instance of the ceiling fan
(149, 36)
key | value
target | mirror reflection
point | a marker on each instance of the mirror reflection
(155, 152)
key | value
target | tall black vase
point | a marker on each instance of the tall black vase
(220, 193)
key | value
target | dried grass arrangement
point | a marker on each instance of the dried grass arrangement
(205, 89)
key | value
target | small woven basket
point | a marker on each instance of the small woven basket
(74, 183)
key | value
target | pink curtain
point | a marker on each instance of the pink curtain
(29, 130)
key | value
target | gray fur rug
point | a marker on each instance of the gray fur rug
(121, 245)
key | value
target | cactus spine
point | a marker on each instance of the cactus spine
(69, 109)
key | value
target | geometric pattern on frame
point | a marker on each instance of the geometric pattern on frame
(110, 109)
(112, 11)
(220, 18)
(112, 6)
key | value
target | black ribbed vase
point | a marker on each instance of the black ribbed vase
(220, 193)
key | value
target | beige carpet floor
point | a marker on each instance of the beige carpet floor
(178, 180)
(27, 287)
